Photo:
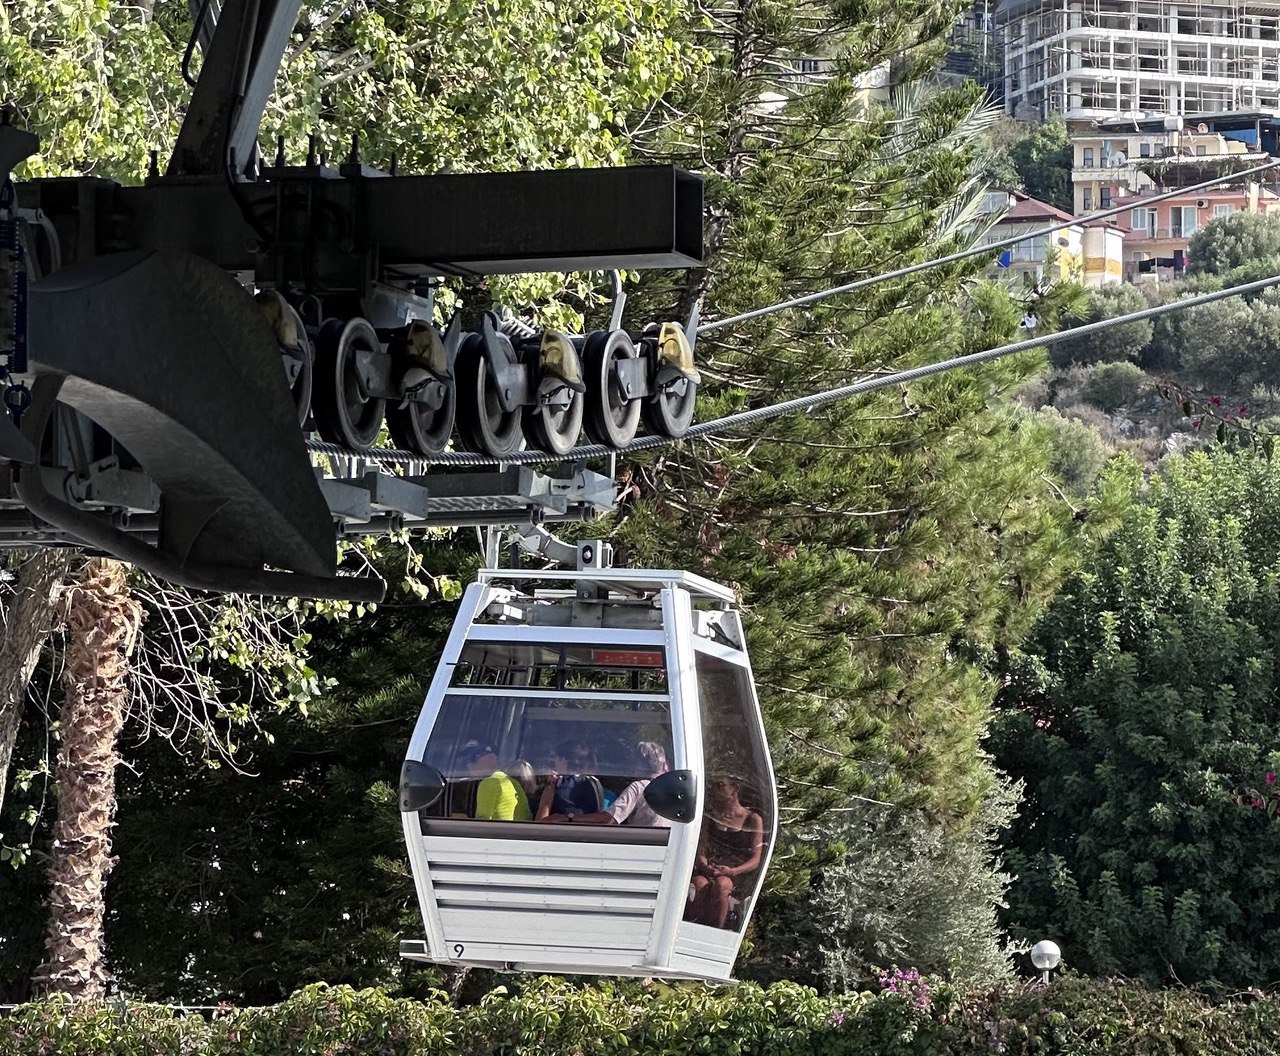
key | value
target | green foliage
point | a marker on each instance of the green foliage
(1112, 385)
(1042, 158)
(867, 913)
(550, 1018)
(1114, 343)
(1077, 453)
(1144, 701)
(1233, 241)
(1230, 345)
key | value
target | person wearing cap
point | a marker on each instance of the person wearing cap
(498, 796)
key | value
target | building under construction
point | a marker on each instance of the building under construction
(1099, 59)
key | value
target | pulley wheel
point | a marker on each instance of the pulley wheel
(345, 413)
(554, 429)
(483, 426)
(417, 427)
(611, 415)
(669, 412)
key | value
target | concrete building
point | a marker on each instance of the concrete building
(1155, 247)
(1098, 59)
(1115, 158)
(1092, 254)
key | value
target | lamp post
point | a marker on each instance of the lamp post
(1046, 956)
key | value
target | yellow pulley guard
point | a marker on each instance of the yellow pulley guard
(558, 356)
(674, 351)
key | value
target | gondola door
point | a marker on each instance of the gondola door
(737, 823)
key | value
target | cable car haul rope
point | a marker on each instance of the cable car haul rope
(720, 426)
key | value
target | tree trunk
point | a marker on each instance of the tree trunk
(26, 629)
(102, 625)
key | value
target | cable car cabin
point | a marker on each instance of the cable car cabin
(588, 789)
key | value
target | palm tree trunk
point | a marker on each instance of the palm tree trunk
(25, 630)
(102, 625)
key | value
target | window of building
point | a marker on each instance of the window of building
(1105, 199)
(1144, 150)
(1086, 199)
(1182, 221)
(1088, 157)
(1201, 150)
(1143, 220)
(1223, 210)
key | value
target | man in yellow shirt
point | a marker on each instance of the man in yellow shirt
(498, 798)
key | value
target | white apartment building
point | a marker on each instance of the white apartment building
(1092, 60)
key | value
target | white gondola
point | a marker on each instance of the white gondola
(618, 666)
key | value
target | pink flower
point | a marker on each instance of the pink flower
(1271, 778)
(1256, 804)
(1216, 400)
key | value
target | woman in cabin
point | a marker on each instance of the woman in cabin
(731, 851)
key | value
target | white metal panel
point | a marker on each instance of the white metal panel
(687, 967)
(474, 599)
(707, 943)
(507, 895)
(543, 855)
(619, 639)
(686, 736)
(650, 579)
(597, 931)
(495, 882)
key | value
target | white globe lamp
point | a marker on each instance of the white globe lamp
(1046, 956)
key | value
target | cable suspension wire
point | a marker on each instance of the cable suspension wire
(976, 251)
(801, 404)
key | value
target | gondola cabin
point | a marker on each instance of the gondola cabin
(588, 789)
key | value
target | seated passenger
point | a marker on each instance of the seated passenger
(731, 851)
(498, 796)
(570, 791)
(630, 806)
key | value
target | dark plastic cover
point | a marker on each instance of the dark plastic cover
(673, 795)
(420, 786)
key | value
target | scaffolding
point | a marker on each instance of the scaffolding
(1091, 59)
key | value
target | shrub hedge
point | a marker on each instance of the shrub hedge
(552, 1018)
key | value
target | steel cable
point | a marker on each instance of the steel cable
(800, 404)
(976, 251)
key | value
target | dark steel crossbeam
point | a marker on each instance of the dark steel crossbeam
(338, 232)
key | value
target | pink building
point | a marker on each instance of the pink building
(1156, 244)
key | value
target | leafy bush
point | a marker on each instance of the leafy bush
(910, 1017)
(1232, 241)
(1110, 345)
(1140, 706)
(1078, 452)
(865, 912)
(1112, 385)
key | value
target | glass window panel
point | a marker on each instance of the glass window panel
(524, 741)
(550, 666)
(738, 798)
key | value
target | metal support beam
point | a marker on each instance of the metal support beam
(486, 223)
(236, 80)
